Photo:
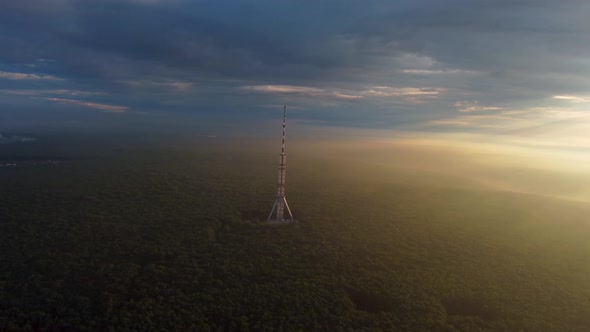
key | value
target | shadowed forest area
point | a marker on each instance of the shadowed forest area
(152, 237)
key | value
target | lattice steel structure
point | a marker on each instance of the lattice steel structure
(281, 201)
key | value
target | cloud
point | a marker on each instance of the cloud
(547, 126)
(438, 72)
(102, 107)
(387, 91)
(414, 60)
(279, 106)
(151, 2)
(474, 106)
(282, 89)
(471, 122)
(26, 76)
(416, 64)
(563, 114)
(173, 85)
(408, 95)
(14, 139)
(38, 92)
(405, 94)
(392, 64)
(573, 99)
(302, 91)
(450, 123)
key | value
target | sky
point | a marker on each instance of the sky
(515, 71)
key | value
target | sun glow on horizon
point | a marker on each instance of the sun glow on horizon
(516, 164)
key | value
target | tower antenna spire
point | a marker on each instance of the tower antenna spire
(281, 201)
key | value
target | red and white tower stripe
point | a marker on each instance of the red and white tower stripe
(281, 201)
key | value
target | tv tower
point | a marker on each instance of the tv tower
(281, 201)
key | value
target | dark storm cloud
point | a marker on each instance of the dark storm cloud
(192, 55)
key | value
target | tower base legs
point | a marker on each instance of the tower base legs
(278, 206)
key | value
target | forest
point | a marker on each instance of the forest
(131, 236)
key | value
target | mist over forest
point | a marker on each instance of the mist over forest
(394, 234)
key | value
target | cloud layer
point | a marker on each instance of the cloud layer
(423, 64)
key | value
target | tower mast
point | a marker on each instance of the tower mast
(281, 201)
